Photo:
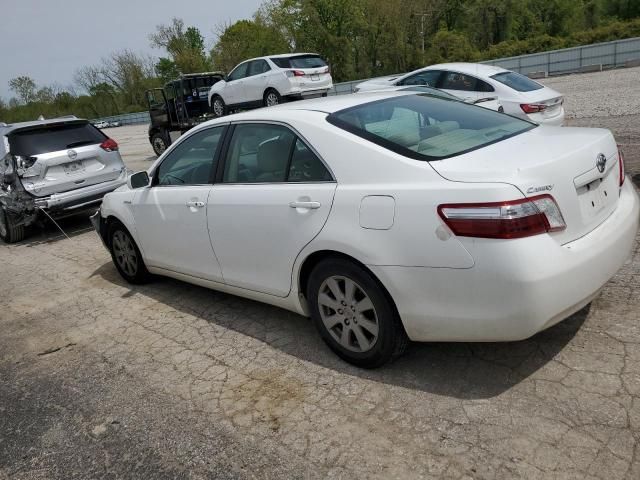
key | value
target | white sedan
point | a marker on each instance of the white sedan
(519, 95)
(385, 217)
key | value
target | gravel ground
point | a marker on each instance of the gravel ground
(99, 379)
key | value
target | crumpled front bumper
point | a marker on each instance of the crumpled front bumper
(99, 226)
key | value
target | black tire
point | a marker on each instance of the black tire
(159, 143)
(391, 340)
(218, 107)
(9, 231)
(271, 98)
(128, 261)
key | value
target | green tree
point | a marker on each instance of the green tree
(246, 39)
(184, 46)
(24, 87)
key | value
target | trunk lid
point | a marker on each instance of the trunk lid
(55, 158)
(559, 161)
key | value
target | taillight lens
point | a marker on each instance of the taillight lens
(620, 165)
(109, 145)
(294, 73)
(512, 219)
(533, 107)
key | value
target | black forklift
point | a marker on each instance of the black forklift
(182, 104)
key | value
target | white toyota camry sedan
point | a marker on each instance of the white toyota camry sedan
(385, 217)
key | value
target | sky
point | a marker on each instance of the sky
(49, 40)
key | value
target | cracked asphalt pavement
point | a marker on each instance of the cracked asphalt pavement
(100, 379)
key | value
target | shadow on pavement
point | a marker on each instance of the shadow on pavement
(460, 370)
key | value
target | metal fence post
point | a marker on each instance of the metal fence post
(615, 54)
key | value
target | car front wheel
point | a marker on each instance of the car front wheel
(126, 255)
(218, 108)
(159, 143)
(354, 314)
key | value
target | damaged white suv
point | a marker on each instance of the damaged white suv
(60, 166)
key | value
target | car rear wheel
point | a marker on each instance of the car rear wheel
(126, 255)
(159, 143)
(271, 98)
(354, 314)
(218, 107)
(9, 231)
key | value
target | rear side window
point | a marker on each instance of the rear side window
(266, 153)
(458, 81)
(53, 138)
(517, 82)
(300, 61)
(425, 127)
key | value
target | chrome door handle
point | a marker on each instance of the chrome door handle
(195, 204)
(311, 205)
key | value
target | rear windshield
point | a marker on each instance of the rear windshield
(517, 82)
(53, 138)
(426, 127)
(300, 61)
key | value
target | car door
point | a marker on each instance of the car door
(171, 215)
(234, 89)
(273, 197)
(466, 87)
(256, 82)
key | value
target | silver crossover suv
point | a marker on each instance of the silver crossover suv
(59, 166)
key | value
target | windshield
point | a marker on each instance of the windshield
(53, 138)
(426, 127)
(517, 82)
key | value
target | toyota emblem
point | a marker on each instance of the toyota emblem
(72, 154)
(601, 162)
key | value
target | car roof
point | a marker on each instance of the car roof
(324, 105)
(282, 55)
(470, 68)
(5, 128)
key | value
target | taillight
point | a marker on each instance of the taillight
(294, 73)
(533, 107)
(328, 70)
(620, 165)
(511, 219)
(109, 145)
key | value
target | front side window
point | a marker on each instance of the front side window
(192, 162)
(266, 153)
(517, 82)
(425, 127)
(428, 78)
(239, 72)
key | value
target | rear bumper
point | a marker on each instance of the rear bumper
(516, 287)
(80, 198)
(298, 93)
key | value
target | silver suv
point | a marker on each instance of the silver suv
(60, 166)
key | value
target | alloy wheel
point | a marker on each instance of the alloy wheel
(272, 99)
(125, 253)
(218, 108)
(159, 145)
(348, 314)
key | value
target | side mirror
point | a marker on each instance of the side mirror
(138, 180)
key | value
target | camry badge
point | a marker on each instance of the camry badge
(601, 162)
(541, 188)
(72, 154)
